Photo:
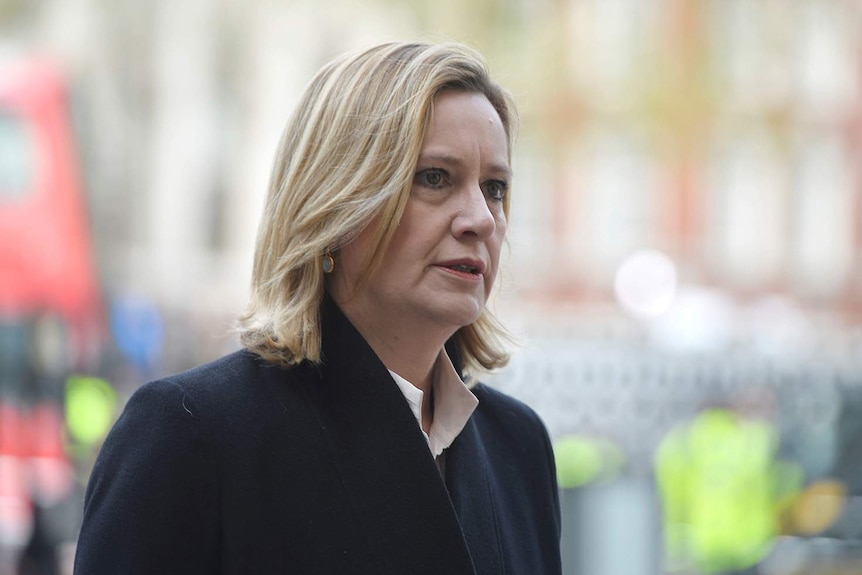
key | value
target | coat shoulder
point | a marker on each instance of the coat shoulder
(221, 373)
(506, 409)
(236, 381)
(234, 397)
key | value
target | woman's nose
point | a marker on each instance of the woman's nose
(474, 217)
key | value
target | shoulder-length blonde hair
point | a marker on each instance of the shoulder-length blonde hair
(347, 156)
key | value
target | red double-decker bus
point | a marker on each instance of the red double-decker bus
(46, 264)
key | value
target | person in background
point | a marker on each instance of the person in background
(40, 556)
(348, 436)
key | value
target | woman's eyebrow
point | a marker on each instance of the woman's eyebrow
(449, 160)
(439, 158)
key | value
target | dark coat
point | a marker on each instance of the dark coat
(240, 467)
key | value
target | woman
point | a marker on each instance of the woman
(343, 439)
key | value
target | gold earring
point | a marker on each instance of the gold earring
(328, 263)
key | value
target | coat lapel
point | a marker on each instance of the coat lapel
(397, 494)
(469, 485)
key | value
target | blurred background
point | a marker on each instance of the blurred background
(683, 262)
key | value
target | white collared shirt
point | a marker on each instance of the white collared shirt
(454, 403)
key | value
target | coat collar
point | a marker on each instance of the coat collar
(398, 496)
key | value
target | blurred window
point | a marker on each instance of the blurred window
(15, 157)
(14, 357)
(823, 214)
(746, 207)
(825, 58)
(622, 186)
(749, 49)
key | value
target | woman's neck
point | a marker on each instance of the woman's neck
(405, 347)
(412, 358)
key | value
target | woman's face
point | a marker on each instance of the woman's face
(440, 266)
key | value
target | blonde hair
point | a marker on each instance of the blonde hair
(347, 156)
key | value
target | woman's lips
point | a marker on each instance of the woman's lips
(462, 271)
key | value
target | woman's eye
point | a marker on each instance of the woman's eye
(431, 178)
(496, 189)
